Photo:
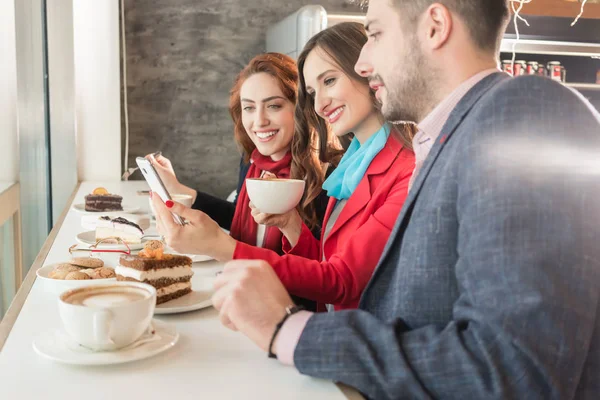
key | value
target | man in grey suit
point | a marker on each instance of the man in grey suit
(489, 285)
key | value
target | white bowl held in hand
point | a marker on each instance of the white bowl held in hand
(275, 196)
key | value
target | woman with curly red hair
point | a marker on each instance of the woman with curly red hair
(261, 104)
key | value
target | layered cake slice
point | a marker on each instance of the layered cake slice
(100, 200)
(170, 274)
(118, 228)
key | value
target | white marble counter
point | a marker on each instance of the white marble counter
(208, 362)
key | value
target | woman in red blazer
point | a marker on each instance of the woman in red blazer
(354, 244)
(367, 189)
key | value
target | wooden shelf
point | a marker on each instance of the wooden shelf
(562, 8)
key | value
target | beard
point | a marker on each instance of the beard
(409, 88)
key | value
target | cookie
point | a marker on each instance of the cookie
(152, 249)
(66, 267)
(77, 276)
(153, 245)
(87, 262)
(58, 274)
(102, 273)
(89, 271)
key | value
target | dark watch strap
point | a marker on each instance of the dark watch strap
(289, 311)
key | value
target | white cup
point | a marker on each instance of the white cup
(184, 199)
(107, 317)
(275, 196)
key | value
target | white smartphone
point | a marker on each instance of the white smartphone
(155, 183)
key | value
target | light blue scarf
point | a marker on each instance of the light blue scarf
(353, 166)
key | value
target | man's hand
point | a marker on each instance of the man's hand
(251, 298)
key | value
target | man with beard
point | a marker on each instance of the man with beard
(489, 284)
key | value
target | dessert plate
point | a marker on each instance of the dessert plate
(199, 258)
(196, 300)
(199, 298)
(195, 257)
(89, 237)
(126, 209)
(57, 346)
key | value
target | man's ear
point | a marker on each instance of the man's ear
(437, 25)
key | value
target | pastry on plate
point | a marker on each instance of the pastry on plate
(118, 228)
(100, 200)
(170, 274)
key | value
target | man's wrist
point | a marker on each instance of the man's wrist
(289, 335)
(272, 336)
(289, 311)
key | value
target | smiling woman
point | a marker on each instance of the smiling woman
(261, 104)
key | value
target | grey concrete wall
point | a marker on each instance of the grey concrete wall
(182, 58)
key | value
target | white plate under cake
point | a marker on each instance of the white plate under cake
(89, 238)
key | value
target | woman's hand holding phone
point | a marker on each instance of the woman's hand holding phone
(200, 234)
(165, 171)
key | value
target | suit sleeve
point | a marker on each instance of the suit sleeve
(527, 270)
(342, 278)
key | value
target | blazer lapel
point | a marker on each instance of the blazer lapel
(362, 194)
(330, 206)
(456, 117)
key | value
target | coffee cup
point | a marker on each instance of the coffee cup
(184, 199)
(275, 196)
(107, 317)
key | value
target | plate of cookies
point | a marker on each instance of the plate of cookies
(74, 273)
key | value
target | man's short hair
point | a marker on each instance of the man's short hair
(485, 19)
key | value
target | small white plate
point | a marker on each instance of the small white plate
(196, 300)
(90, 221)
(199, 298)
(199, 258)
(195, 257)
(89, 237)
(57, 346)
(126, 209)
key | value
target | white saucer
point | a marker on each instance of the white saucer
(126, 209)
(57, 346)
(195, 300)
(89, 237)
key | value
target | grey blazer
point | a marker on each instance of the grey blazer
(489, 285)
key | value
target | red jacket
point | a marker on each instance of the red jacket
(355, 242)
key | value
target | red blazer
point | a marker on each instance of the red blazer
(356, 241)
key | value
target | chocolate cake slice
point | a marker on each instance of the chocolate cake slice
(103, 202)
(171, 275)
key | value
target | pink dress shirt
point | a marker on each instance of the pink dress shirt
(429, 130)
